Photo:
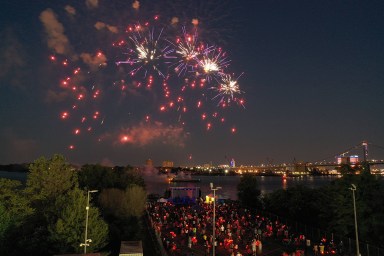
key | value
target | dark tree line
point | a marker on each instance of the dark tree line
(121, 199)
(47, 215)
(329, 208)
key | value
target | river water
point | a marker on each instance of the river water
(21, 176)
(158, 184)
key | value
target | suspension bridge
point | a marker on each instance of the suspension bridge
(363, 152)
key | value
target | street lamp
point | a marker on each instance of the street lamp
(353, 188)
(86, 240)
(214, 217)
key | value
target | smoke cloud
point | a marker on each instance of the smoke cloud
(91, 4)
(56, 38)
(144, 134)
(101, 25)
(94, 61)
(70, 10)
(136, 5)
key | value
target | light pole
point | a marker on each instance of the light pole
(353, 188)
(86, 240)
(214, 218)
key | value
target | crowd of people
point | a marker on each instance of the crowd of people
(238, 231)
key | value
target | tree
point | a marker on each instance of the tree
(68, 231)
(58, 223)
(101, 177)
(136, 199)
(346, 169)
(248, 192)
(331, 207)
(123, 209)
(297, 203)
(50, 178)
(14, 200)
(123, 204)
(5, 226)
(112, 202)
(130, 176)
(15, 210)
(365, 167)
(97, 177)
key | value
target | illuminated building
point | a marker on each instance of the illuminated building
(348, 159)
(167, 164)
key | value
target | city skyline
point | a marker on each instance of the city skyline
(311, 75)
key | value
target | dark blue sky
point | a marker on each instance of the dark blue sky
(313, 82)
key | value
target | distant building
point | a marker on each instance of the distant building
(149, 162)
(207, 166)
(167, 164)
(354, 159)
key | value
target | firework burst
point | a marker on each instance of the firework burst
(165, 71)
(212, 63)
(145, 52)
(228, 90)
(187, 50)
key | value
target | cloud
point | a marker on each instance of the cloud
(113, 29)
(19, 149)
(12, 60)
(91, 4)
(56, 38)
(101, 25)
(70, 10)
(94, 61)
(146, 133)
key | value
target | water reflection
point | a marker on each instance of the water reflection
(158, 184)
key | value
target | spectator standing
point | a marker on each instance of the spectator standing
(315, 249)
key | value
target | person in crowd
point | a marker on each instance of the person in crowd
(315, 250)
(237, 230)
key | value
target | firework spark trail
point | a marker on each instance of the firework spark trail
(82, 111)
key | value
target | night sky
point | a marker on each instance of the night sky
(312, 82)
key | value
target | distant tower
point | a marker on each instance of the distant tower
(233, 163)
(365, 150)
(149, 162)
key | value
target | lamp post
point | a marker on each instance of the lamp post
(86, 240)
(353, 188)
(214, 217)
